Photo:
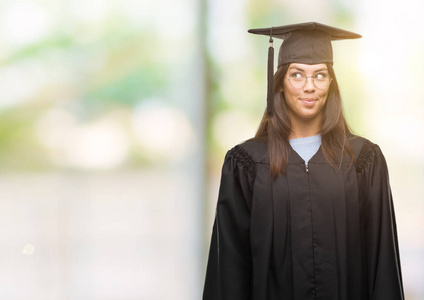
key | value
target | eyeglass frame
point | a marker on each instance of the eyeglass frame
(306, 80)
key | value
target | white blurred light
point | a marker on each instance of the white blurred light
(28, 249)
(228, 36)
(391, 70)
(19, 83)
(24, 23)
(175, 21)
(409, 137)
(232, 127)
(163, 131)
(100, 145)
(90, 11)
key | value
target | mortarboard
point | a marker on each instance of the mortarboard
(307, 43)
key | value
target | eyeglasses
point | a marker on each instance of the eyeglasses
(320, 80)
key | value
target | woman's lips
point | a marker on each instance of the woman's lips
(308, 101)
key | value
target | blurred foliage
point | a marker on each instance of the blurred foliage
(18, 147)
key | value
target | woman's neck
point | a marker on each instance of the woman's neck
(305, 128)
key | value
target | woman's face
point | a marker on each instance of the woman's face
(305, 103)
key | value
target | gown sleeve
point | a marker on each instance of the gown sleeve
(229, 269)
(384, 278)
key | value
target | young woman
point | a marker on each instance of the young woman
(305, 209)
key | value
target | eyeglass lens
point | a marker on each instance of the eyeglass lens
(320, 80)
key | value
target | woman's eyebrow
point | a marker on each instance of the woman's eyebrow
(299, 69)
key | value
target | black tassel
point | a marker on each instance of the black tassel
(270, 95)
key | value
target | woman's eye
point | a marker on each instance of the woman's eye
(296, 76)
(321, 76)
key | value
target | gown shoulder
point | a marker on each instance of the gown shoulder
(365, 152)
(256, 149)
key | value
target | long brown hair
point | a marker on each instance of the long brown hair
(275, 129)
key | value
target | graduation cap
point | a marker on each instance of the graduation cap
(307, 43)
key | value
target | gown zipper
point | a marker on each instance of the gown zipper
(313, 244)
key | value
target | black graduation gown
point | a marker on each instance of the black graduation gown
(310, 234)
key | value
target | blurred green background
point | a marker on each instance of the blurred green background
(115, 117)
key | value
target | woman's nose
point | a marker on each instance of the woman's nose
(309, 84)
